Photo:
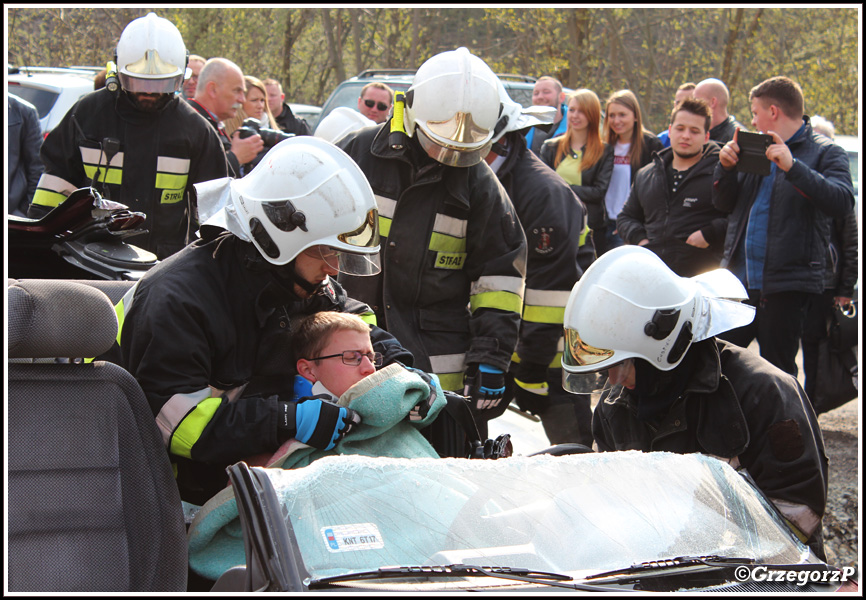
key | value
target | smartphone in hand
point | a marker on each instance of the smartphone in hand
(753, 152)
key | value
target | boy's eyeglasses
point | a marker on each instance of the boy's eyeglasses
(353, 357)
(380, 105)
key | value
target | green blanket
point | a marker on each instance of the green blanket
(384, 400)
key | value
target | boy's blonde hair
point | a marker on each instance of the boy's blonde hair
(314, 331)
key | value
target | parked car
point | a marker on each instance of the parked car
(851, 145)
(307, 112)
(519, 87)
(52, 91)
(617, 521)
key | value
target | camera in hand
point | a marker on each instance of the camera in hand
(270, 137)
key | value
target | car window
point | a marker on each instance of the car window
(521, 95)
(347, 95)
(43, 100)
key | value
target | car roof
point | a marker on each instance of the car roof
(849, 143)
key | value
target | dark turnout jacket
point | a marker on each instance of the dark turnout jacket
(667, 219)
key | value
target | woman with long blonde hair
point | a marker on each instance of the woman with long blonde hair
(255, 105)
(632, 149)
(580, 156)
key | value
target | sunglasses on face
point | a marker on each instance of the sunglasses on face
(380, 105)
(353, 357)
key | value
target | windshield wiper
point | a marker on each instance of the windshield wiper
(457, 570)
(672, 566)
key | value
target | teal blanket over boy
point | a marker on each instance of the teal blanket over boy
(384, 399)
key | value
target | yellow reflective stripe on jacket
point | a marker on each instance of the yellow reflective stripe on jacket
(386, 207)
(172, 174)
(545, 306)
(94, 158)
(449, 368)
(51, 190)
(189, 431)
(583, 234)
(170, 181)
(556, 363)
(112, 176)
(122, 307)
(384, 226)
(449, 234)
(369, 318)
(497, 291)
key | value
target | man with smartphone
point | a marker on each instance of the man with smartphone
(779, 224)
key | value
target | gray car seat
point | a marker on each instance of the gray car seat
(92, 502)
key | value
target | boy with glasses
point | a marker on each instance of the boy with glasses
(335, 353)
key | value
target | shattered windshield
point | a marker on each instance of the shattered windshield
(576, 514)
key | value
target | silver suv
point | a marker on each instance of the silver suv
(519, 87)
(52, 91)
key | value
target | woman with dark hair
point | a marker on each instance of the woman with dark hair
(632, 146)
(581, 158)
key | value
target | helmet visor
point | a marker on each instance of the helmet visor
(348, 263)
(150, 86)
(460, 129)
(452, 156)
(580, 354)
(366, 235)
(585, 383)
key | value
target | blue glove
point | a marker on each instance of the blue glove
(485, 385)
(314, 422)
(303, 388)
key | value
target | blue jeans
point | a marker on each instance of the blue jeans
(605, 239)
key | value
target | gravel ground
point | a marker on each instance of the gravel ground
(841, 428)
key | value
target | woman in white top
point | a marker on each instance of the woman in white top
(632, 149)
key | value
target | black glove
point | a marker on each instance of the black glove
(484, 385)
(420, 410)
(532, 378)
(314, 422)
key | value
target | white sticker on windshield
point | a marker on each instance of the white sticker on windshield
(348, 538)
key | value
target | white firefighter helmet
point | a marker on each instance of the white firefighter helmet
(453, 106)
(151, 56)
(305, 194)
(340, 122)
(515, 117)
(629, 304)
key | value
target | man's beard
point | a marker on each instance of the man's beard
(149, 103)
(687, 156)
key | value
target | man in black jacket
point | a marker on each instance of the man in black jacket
(208, 332)
(141, 145)
(670, 208)
(646, 338)
(717, 96)
(553, 218)
(779, 224)
(283, 114)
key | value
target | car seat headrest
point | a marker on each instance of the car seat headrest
(55, 318)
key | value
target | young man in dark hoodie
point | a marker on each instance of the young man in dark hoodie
(670, 208)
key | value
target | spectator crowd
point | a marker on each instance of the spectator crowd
(486, 216)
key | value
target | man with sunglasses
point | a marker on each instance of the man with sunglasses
(643, 338)
(208, 332)
(375, 101)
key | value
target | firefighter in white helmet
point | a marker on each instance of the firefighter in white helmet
(645, 337)
(208, 332)
(135, 140)
(453, 250)
(552, 218)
